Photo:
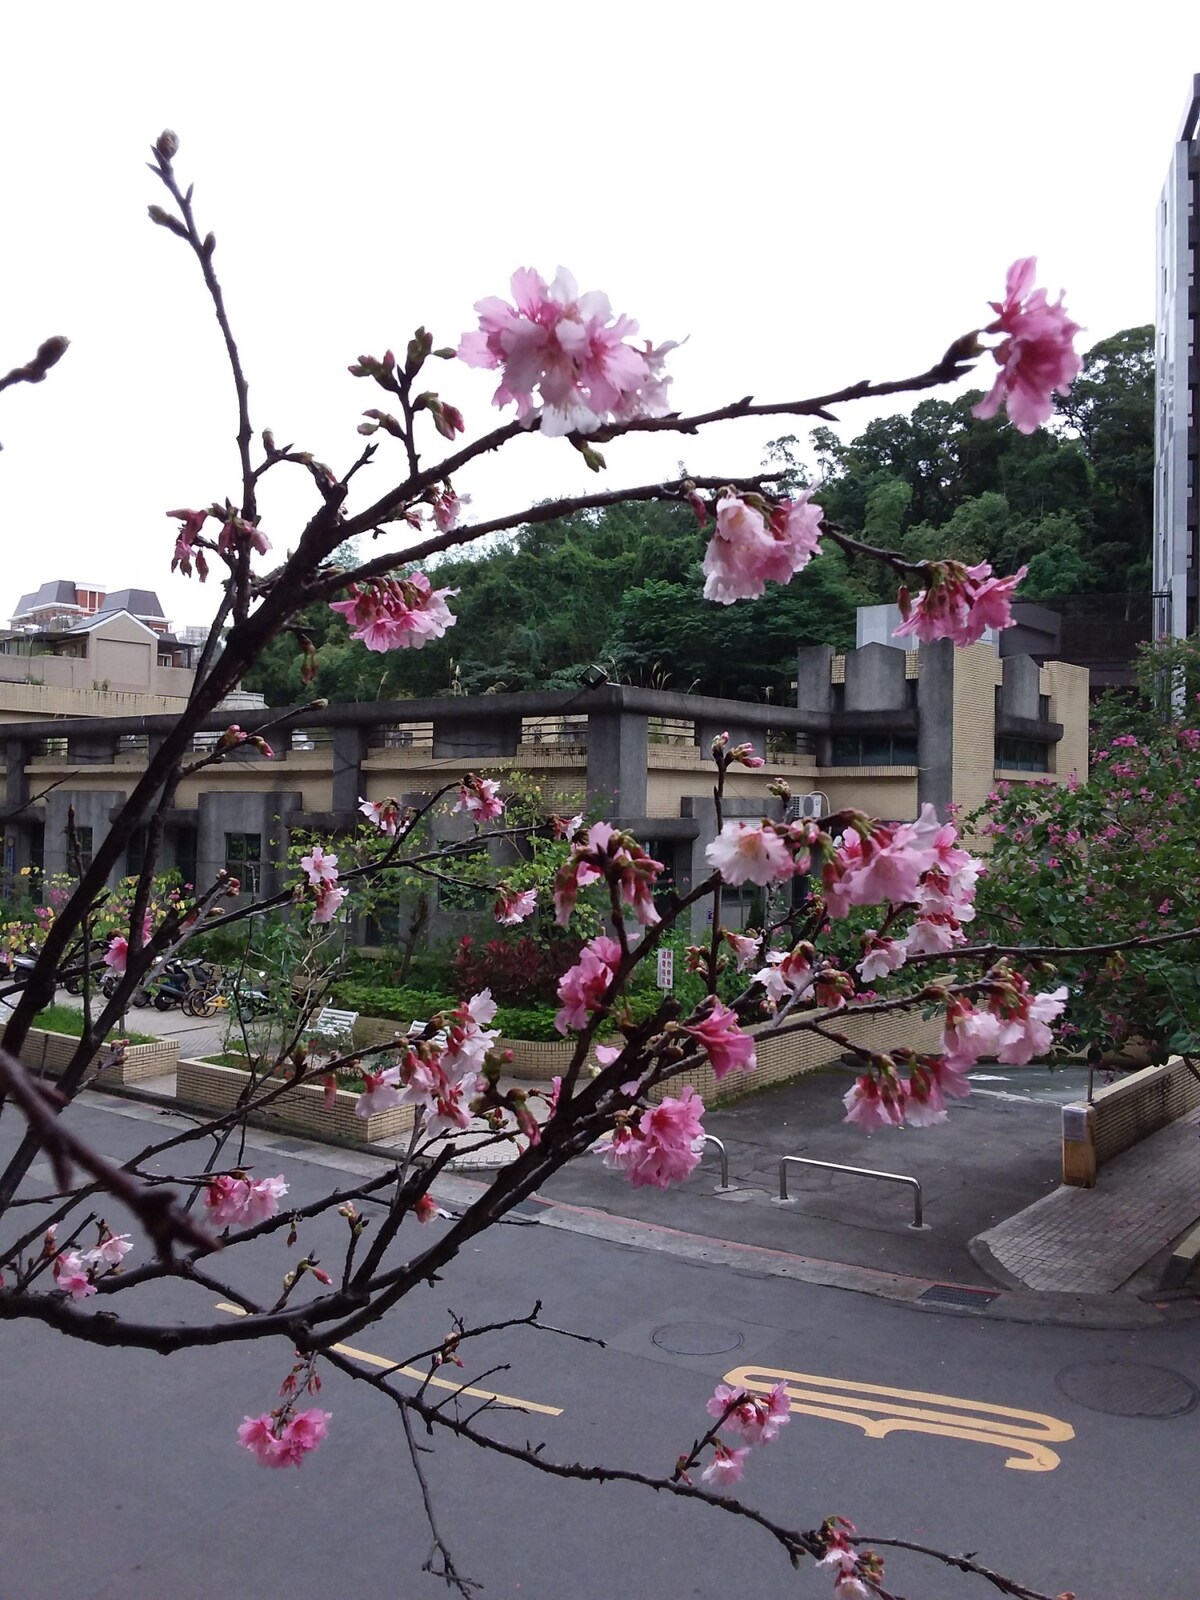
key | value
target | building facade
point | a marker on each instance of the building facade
(1177, 386)
(110, 663)
(881, 729)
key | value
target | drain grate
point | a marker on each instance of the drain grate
(696, 1339)
(953, 1294)
(531, 1209)
(1128, 1389)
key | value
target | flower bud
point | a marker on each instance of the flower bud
(167, 144)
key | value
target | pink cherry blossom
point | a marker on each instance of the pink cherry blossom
(745, 949)
(117, 954)
(665, 1144)
(320, 868)
(187, 549)
(1027, 1035)
(757, 1418)
(726, 1466)
(583, 986)
(1036, 357)
(329, 901)
(881, 956)
(608, 853)
(933, 933)
(396, 613)
(871, 1103)
(479, 798)
(71, 1275)
(381, 1091)
(514, 905)
(960, 603)
(385, 814)
(751, 547)
(468, 1037)
(277, 1444)
(110, 1252)
(447, 507)
(746, 852)
(231, 1200)
(788, 974)
(723, 1039)
(923, 1103)
(568, 351)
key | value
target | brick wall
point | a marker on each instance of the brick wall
(299, 1110)
(51, 1053)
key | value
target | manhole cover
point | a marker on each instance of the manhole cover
(1128, 1389)
(696, 1339)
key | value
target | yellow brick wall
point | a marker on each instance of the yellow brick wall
(300, 1110)
(51, 1053)
(977, 671)
(1067, 687)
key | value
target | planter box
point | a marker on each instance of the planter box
(50, 1053)
(299, 1110)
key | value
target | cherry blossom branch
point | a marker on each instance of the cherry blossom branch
(157, 1210)
(165, 148)
(1048, 952)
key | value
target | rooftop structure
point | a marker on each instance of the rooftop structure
(62, 603)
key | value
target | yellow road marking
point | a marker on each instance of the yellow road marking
(372, 1360)
(1028, 1433)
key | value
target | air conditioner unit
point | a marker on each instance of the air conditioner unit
(807, 807)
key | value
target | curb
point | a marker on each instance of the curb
(1006, 1304)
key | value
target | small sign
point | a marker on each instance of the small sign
(666, 969)
(1075, 1124)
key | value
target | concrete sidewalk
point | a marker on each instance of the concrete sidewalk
(1094, 1241)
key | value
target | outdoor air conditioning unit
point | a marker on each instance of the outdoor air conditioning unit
(808, 807)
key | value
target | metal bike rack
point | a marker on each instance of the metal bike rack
(859, 1172)
(711, 1138)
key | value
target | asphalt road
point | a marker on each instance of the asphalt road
(121, 1479)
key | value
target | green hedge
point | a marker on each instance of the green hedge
(418, 1005)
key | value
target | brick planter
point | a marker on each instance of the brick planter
(538, 1060)
(300, 1110)
(50, 1053)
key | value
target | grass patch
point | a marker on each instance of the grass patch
(234, 1058)
(69, 1020)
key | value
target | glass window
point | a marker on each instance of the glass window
(874, 750)
(243, 860)
(1022, 755)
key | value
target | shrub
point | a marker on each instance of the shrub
(519, 971)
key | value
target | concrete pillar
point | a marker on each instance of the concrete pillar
(1020, 692)
(92, 749)
(814, 690)
(349, 753)
(935, 725)
(617, 759)
(875, 679)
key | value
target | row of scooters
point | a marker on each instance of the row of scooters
(198, 988)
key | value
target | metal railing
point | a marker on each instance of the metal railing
(859, 1172)
(711, 1138)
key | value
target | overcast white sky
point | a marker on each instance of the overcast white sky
(812, 193)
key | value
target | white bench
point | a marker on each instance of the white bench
(334, 1025)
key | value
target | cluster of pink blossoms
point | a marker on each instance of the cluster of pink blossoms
(479, 798)
(960, 603)
(236, 536)
(234, 1201)
(756, 544)
(441, 1078)
(396, 613)
(514, 905)
(74, 1270)
(582, 988)
(755, 1419)
(616, 857)
(857, 1575)
(663, 1145)
(385, 814)
(1037, 355)
(322, 873)
(793, 975)
(567, 351)
(283, 1438)
(721, 1035)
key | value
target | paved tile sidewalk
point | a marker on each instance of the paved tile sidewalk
(1091, 1241)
